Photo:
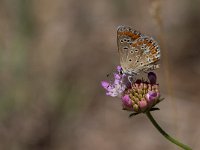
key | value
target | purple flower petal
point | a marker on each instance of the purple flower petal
(105, 84)
(111, 94)
(117, 76)
(119, 68)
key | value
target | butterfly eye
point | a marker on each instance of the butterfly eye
(131, 52)
(136, 50)
(141, 63)
(130, 59)
(142, 47)
(128, 40)
(124, 40)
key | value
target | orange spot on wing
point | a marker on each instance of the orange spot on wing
(155, 59)
(153, 51)
(130, 34)
(134, 45)
(149, 44)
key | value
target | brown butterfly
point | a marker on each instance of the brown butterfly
(137, 52)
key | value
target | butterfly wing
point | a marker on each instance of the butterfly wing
(137, 52)
(148, 55)
(126, 36)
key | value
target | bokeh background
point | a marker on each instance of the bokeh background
(53, 55)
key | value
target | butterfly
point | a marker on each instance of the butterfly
(137, 52)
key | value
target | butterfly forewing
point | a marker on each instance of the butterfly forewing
(137, 52)
(126, 37)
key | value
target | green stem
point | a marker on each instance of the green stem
(165, 134)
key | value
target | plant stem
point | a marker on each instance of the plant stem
(165, 134)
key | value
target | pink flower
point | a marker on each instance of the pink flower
(138, 96)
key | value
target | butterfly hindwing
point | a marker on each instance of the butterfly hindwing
(149, 54)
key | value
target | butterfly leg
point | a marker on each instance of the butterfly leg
(130, 79)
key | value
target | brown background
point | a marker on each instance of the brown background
(53, 55)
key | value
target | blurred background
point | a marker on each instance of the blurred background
(53, 55)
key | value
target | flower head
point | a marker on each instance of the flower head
(143, 96)
(138, 96)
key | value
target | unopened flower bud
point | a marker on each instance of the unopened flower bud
(136, 94)
(140, 91)
(151, 96)
(145, 86)
(127, 101)
(143, 105)
(137, 100)
(140, 96)
(135, 107)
